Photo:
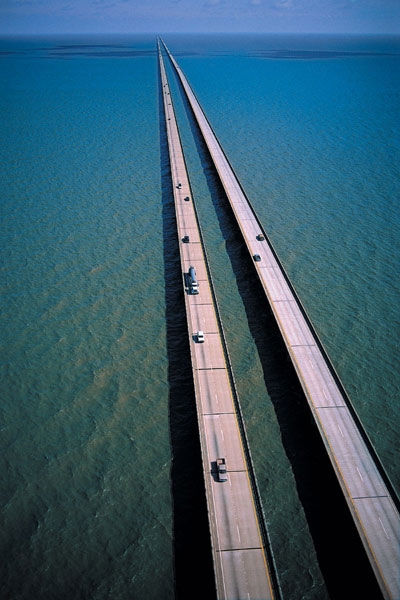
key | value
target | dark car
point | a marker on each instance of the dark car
(257, 257)
(185, 239)
(187, 198)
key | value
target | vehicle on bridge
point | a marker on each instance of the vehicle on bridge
(193, 283)
(221, 467)
(200, 336)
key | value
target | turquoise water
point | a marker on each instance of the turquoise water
(97, 412)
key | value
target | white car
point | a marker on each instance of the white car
(200, 336)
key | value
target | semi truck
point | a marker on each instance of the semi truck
(193, 283)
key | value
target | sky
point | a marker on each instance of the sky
(167, 16)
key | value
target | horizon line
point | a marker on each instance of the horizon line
(188, 32)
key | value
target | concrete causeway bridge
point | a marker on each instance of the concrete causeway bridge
(242, 561)
(370, 497)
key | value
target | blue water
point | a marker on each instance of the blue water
(89, 338)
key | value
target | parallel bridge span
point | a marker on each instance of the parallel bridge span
(243, 564)
(366, 487)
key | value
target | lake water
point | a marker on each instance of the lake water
(98, 422)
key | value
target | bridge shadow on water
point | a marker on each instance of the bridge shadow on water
(193, 567)
(341, 556)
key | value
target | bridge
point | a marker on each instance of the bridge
(370, 497)
(242, 564)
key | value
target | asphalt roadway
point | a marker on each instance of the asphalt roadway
(240, 562)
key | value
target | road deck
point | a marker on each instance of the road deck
(240, 562)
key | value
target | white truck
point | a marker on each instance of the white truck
(193, 283)
(221, 467)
